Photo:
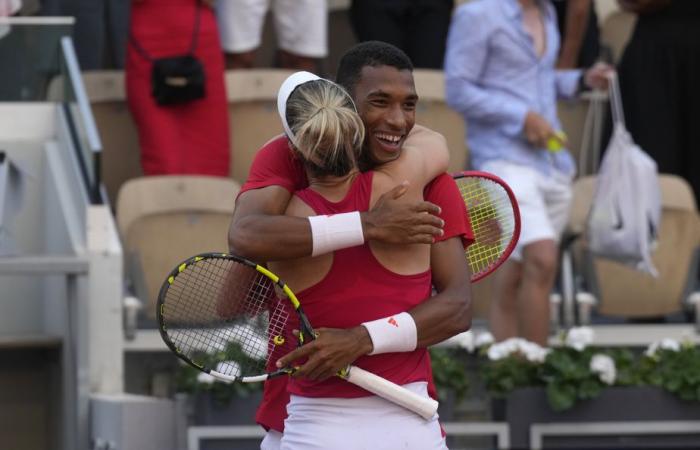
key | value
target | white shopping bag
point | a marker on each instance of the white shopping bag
(626, 210)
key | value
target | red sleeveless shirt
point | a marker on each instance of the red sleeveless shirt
(358, 288)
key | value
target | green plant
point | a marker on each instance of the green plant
(569, 378)
(675, 370)
(191, 380)
(502, 376)
(449, 372)
(573, 371)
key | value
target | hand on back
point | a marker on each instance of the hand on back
(394, 222)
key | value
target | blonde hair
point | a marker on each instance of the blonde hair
(328, 132)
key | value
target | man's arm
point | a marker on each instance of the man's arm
(577, 12)
(450, 311)
(260, 231)
(258, 214)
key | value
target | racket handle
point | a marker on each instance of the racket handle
(423, 406)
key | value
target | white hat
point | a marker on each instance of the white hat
(288, 86)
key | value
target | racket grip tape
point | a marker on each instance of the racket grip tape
(423, 406)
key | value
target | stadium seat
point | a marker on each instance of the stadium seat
(253, 117)
(165, 219)
(252, 96)
(615, 290)
(120, 143)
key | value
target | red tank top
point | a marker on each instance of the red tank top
(358, 288)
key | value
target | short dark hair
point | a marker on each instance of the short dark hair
(373, 54)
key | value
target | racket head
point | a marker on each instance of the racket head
(223, 315)
(495, 219)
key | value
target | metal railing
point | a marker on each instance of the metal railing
(74, 350)
(34, 51)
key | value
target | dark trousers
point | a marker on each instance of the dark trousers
(418, 27)
(101, 29)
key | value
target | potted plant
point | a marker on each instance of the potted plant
(576, 382)
(451, 381)
(216, 402)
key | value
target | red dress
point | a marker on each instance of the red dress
(190, 138)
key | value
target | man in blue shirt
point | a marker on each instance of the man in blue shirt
(500, 75)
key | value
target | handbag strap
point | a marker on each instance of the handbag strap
(618, 112)
(193, 45)
(589, 154)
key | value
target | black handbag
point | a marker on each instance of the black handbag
(176, 79)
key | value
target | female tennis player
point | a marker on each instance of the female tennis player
(371, 284)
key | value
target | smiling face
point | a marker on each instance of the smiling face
(386, 101)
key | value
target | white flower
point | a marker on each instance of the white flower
(249, 338)
(533, 352)
(496, 352)
(664, 344)
(579, 338)
(604, 366)
(502, 349)
(466, 340)
(205, 378)
(483, 339)
(670, 344)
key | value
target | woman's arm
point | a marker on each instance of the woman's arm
(643, 6)
(577, 12)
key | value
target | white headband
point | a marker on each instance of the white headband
(288, 86)
(292, 82)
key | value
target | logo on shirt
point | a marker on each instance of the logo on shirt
(393, 322)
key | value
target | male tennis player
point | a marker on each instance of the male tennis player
(374, 74)
(327, 135)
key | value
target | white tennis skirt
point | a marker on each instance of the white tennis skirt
(370, 423)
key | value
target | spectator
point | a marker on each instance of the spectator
(578, 29)
(418, 27)
(187, 138)
(100, 32)
(301, 27)
(327, 135)
(500, 75)
(659, 73)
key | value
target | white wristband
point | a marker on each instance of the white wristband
(395, 333)
(330, 233)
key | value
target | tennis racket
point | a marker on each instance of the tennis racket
(495, 220)
(224, 305)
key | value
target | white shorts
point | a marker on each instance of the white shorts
(300, 25)
(271, 441)
(544, 201)
(366, 423)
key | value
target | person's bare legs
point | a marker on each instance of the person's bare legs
(538, 274)
(240, 60)
(503, 310)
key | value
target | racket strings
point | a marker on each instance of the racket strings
(219, 314)
(492, 221)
